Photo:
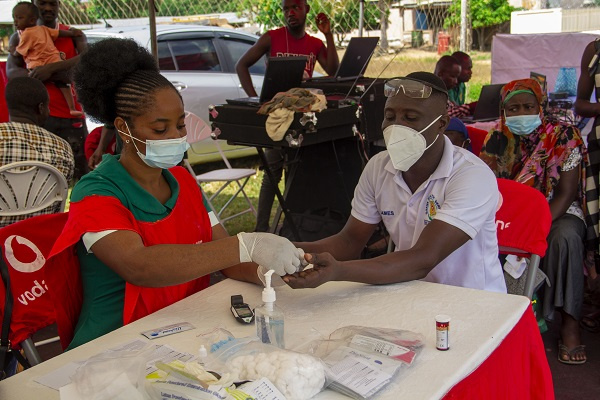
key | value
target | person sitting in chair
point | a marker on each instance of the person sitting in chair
(24, 139)
(437, 201)
(137, 223)
(549, 156)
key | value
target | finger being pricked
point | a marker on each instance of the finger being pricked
(309, 278)
(323, 270)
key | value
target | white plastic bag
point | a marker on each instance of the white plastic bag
(113, 375)
(298, 376)
(362, 361)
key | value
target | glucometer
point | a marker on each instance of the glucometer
(240, 310)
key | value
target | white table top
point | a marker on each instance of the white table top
(480, 321)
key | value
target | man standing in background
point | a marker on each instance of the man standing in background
(289, 40)
(60, 121)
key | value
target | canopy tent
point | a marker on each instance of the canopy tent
(515, 56)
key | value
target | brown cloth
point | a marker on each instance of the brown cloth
(282, 107)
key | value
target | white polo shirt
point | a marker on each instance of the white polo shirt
(462, 192)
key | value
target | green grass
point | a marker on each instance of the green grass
(246, 222)
(406, 62)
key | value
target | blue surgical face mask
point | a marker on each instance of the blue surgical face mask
(523, 124)
(164, 153)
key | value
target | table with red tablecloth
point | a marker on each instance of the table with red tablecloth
(495, 351)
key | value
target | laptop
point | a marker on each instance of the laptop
(354, 62)
(282, 74)
(488, 105)
(541, 79)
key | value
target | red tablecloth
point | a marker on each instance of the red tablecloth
(517, 369)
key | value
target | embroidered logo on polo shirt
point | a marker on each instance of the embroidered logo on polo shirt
(387, 212)
(432, 207)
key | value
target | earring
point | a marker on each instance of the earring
(127, 141)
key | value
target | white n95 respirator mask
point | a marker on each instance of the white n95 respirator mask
(406, 145)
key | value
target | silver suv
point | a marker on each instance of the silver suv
(200, 62)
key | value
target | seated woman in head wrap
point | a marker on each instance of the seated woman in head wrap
(550, 156)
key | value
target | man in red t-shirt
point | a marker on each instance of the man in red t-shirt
(289, 40)
(60, 122)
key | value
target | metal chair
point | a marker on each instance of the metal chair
(523, 221)
(27, 187)
(198, 130)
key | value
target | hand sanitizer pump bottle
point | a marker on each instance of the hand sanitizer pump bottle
(268, 317)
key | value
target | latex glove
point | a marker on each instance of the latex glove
(271, 251)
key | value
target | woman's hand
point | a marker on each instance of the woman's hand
(325, 269)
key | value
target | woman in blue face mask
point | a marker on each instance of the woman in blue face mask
(551, 157)
(137, 223)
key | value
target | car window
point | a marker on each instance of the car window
(237, 48)
(193, 55)
(165, 58)
(166, 62)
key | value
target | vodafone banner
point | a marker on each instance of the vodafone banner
(25, 247)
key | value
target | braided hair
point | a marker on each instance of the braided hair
(115, 78)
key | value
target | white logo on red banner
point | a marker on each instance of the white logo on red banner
(25, 267)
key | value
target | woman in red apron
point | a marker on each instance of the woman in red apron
(138, 236)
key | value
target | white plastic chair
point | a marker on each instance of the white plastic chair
(198, 130)
(30, 186)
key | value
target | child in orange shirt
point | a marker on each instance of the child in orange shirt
(36, 45)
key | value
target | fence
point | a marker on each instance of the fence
(409, 29)
(402, 28)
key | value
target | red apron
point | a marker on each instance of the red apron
(188, 223)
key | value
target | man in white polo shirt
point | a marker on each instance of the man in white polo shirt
(437, 201)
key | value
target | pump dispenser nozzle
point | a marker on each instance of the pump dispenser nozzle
(268, 317)
(268, 293)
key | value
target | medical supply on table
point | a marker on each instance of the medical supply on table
(202, 354)
(269, 318)
(214, 339)
(353, 352)
(442, 330)
(297, 376)
(240, 310)
(168, 330)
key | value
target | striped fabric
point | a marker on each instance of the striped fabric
(455, 110)
(28, 142)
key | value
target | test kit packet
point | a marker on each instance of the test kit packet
(168, 330)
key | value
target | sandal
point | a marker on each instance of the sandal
(590, 324)
(565, 355)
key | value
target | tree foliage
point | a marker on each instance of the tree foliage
(344, 14)
(483, 13)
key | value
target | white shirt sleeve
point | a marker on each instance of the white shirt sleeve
(470, 197)
(90, 238)
(364, 206)
(213, 218)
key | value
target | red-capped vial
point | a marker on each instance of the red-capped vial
(442, 330)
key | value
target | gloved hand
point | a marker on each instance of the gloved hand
(271, 251)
